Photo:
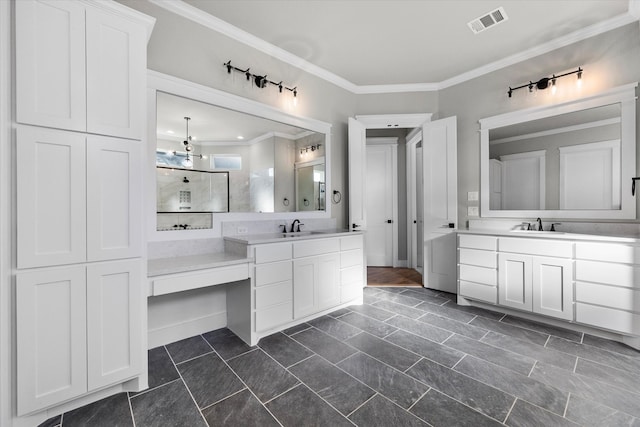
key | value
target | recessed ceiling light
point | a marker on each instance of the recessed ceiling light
(170, 131)
(240, 137)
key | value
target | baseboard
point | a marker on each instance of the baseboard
(180, 331)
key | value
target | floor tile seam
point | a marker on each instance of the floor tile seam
(600, 382)
(533, 368)
(547, 410)
(204, 408)
(371, 317)
(511, 393)
(238, 355)
(621, 373)
(417, 361)
(419, 319)
(513, 404)
(366, 318)
(344, 323)
(385, 363)
(194, 358)
(297, 332)
(550, 351)
(140, 393)
(413, 333)
(375, 393)
(566, 407)
(434, 313)
(519, 335)
(193, 399)
(299, 361)
(544, 333)
(133, 419)
(416, 401)
(406, 306)
(422, 355)
(250, 391)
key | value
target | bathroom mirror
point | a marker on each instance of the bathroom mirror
(571, 160)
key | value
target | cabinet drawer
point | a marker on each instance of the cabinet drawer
(471, 273)
(315, 247)
(276, 293)
(351, 258)
(274, 316)
(535, 246)
(480, 292)
(351, 242)
(478, 258)
(209, 277)
(604, 272)
(472, 241)
(612, 252)
(271, 253)
(608, 318)
(351, 274)
(273, 273)
(610, 296)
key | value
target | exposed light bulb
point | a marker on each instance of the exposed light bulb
(554, 88)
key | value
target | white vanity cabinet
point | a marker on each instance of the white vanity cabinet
(80, 67)
(608, 286)
(477, 267)
(273, 286)
(78, 198)
(80, 329)
(532, 282)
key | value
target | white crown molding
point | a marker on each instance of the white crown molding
(216, 24)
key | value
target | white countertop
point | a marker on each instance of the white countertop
(628, 238)
(254, 239)
(182, 264)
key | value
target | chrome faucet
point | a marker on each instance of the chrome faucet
(293, 225)
(539, 224)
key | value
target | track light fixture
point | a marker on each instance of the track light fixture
(308, 148)
(262, 81)
(545, 82)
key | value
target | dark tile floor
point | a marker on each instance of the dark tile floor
(406, 357)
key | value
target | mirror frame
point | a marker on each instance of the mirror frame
(626, 96)
(159, 82)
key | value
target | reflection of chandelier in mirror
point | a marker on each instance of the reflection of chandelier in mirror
(308, 148)
(188, 161)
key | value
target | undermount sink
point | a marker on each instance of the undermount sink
(537, 232)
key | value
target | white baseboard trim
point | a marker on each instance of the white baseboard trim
(401, 263)
(189, 328)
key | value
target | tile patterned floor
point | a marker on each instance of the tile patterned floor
(407, 357)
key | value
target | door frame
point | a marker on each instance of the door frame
(412, 141)
(391, 141)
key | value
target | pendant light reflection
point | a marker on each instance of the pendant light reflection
(188, 161)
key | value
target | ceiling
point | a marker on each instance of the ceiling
(366, 45)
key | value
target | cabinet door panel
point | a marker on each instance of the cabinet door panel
(305, 300)
(328, 281)
(50, 64)
(114, 321)
(514, 286)
(114, 199)
(116, 76)
(51, 199)
(51, 343)
(553, 287)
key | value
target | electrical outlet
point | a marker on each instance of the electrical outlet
(242, 230)
(472, 211)
(472, 196)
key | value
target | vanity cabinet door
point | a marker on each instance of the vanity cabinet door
(114, 322)
(51, 354)
(305, 277)
(116, 75)
(328, 283)
(50, 63)
(51, 197)
(553, 287)
(515, 281)
(114, 199)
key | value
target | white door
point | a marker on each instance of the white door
(379, 205)
(357, 170)
(440, 200)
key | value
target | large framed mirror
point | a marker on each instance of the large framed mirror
(221, 157)
(569, 160)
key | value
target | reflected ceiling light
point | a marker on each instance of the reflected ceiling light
(545, 82)
(239, 137)
(187, 162)
(171, 132)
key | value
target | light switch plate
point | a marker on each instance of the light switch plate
(472, 211)
(472, 196)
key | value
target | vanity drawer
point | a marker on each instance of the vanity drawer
(274, 316)
(276, 293)
(611, 252)
(315, 247)
(608, 318)
(609, 296)
(608, 273)
(272, 252)
(473, 241)
(201, 279)
(479, 291)
(351, 258)
(471, 273)
(273, 272)
(536, 246)
(351, 242)
(478, 258)
(351, 274)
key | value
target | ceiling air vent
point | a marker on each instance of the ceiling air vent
(495, 17)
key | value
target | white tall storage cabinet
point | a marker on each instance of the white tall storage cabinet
(80, 74)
